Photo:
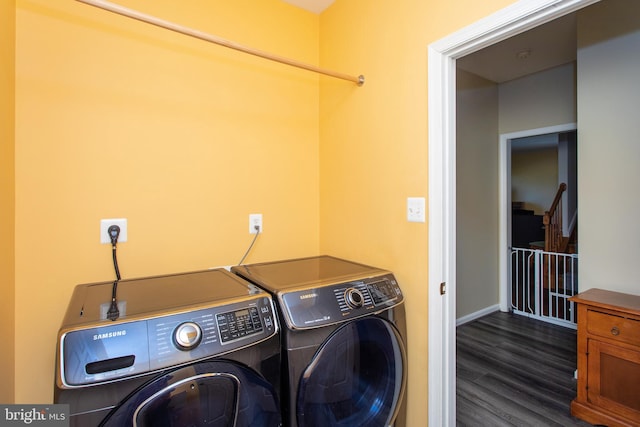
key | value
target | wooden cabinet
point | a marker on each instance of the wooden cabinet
(608, 358)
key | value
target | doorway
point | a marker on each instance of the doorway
(519, 17)
(541, 175)
(566, 173)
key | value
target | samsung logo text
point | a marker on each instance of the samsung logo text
(106, 335)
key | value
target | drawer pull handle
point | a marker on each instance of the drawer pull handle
(615, 331)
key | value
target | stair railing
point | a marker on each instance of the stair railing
(554, 241)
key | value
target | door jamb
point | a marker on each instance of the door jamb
(442, 54)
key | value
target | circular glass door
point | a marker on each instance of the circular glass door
(201, 400)
(357, 377)
(212, 394)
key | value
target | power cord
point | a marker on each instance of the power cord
(114, 312)
(114, 233)
(257, 228)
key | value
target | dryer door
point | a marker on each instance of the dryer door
(356, 378)
(219, 393)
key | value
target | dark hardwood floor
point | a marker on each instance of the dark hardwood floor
(515, 371)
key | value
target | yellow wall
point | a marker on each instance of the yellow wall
(119, 119)
(373, 150)
(116, 118)
(7, 200)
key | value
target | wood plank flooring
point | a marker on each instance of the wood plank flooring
(515, 371)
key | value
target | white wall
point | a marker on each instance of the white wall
(477, 194)
(600, 92)
(543, 99)
(484, 111)
(608, 69)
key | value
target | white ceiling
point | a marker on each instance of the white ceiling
(538, 49)
(315, 6)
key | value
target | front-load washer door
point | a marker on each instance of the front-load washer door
(218, 393)
(356, 378)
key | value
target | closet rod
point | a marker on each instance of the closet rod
(120, 10)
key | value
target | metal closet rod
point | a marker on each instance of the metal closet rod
(120, 10)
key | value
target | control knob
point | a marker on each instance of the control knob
(354, 298)
(187, 336)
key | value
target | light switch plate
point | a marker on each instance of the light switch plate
(416, 209)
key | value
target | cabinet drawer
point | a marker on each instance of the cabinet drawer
(613, 327)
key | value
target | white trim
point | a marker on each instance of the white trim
(559, 322)
(504, 226)
(441, 313)
(567, 127)
(520, 16)
(478, 314)
(504, 220)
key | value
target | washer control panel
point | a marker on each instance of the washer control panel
(238, 324)
(124, 349)
(335, 303)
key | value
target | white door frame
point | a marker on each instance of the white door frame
(519, 17)
(504, 197)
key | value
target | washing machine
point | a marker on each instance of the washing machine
(190, 349)
(344, 341)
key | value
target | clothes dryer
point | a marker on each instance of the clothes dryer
(189, 349)
(344, 341)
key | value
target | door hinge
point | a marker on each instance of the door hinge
(443, 288)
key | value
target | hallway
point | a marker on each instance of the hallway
(513, 370)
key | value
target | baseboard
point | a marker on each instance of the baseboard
(478, 314)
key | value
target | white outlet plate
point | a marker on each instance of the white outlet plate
(104, 309)
(416, 209)
(104, 227)
(255, 220)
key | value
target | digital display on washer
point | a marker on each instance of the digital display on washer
(238, 324)
(382, 291)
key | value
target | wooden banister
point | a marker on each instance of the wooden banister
(554, 241)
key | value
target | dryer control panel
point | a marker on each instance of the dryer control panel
(330, 304)
(123, 349)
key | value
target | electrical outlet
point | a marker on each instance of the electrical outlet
(104, 309)
(415, 209)
(255, 220)
(104, 227)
